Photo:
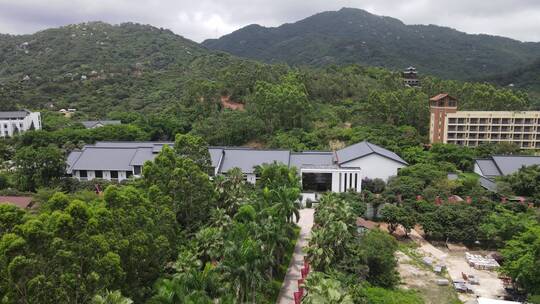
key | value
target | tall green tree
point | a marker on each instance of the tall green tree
(185, 183)
(38, 167)
(281, 106)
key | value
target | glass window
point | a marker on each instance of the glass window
(83, 174)
(137, 170)
(99, 174)
(317, 182)
(114, 174)
(129, 174)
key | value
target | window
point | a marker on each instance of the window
(114, 174)
(137, 170)
(129, 174)
(99, 174)
(83, 174)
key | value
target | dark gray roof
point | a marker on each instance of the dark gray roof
(142, 155)
(488, 167)
(92, 123)
(363, 149)
(124, 155)
(14, 114)
(71, 159)
(248, 159)
(510, 163)
(131, 144)
(487, 184)
(309, 159)
(93, 158)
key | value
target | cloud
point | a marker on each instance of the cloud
(202, 19)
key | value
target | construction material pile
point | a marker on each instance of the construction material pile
(481, 262)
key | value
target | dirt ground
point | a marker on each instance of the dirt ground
(490, 285)
(416, 276)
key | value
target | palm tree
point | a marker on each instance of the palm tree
(243, 268)
(287, 203)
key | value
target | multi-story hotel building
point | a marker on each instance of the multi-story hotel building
(472, 128)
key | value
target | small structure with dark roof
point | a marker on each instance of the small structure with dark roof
(91, 124)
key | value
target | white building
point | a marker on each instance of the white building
(16, 122)
(320, 171)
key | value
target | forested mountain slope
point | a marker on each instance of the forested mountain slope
(166, 84)
(524, 78)
(93, 49)
(356, 36)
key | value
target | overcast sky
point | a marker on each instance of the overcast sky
(202, 19)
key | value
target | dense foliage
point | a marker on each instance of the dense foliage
(195, 239)
(350, 266)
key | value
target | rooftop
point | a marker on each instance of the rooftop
(441, 96)
(122, 156)
(498, 165)
(19, 201)
(92, 123)
(14, 114)
(365, 148)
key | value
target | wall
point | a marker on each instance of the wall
(251, 178)
(376, 166)
(477, 170)
(122, 175)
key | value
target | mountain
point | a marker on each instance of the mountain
(93, 49)
(525, 78)
(98, 67)
(356, 36)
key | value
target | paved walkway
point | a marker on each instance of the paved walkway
(290, 283)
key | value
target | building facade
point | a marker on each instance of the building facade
(320, 171)
(473, 128)
(16, 122)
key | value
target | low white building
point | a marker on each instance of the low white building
(320, 171)
(16, 122)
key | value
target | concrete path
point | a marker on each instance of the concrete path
(290, 284)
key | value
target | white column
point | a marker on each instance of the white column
(335, 181)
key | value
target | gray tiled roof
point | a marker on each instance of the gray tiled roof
(132, 144)
(510, 164)
(363, 149)
(142, 155)
(93, 158)
(305, 159)
(488, 167)
(248, 159)
(71, 159)
(92, 123)
(123, 156)
(488, 184)
(13, 114)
